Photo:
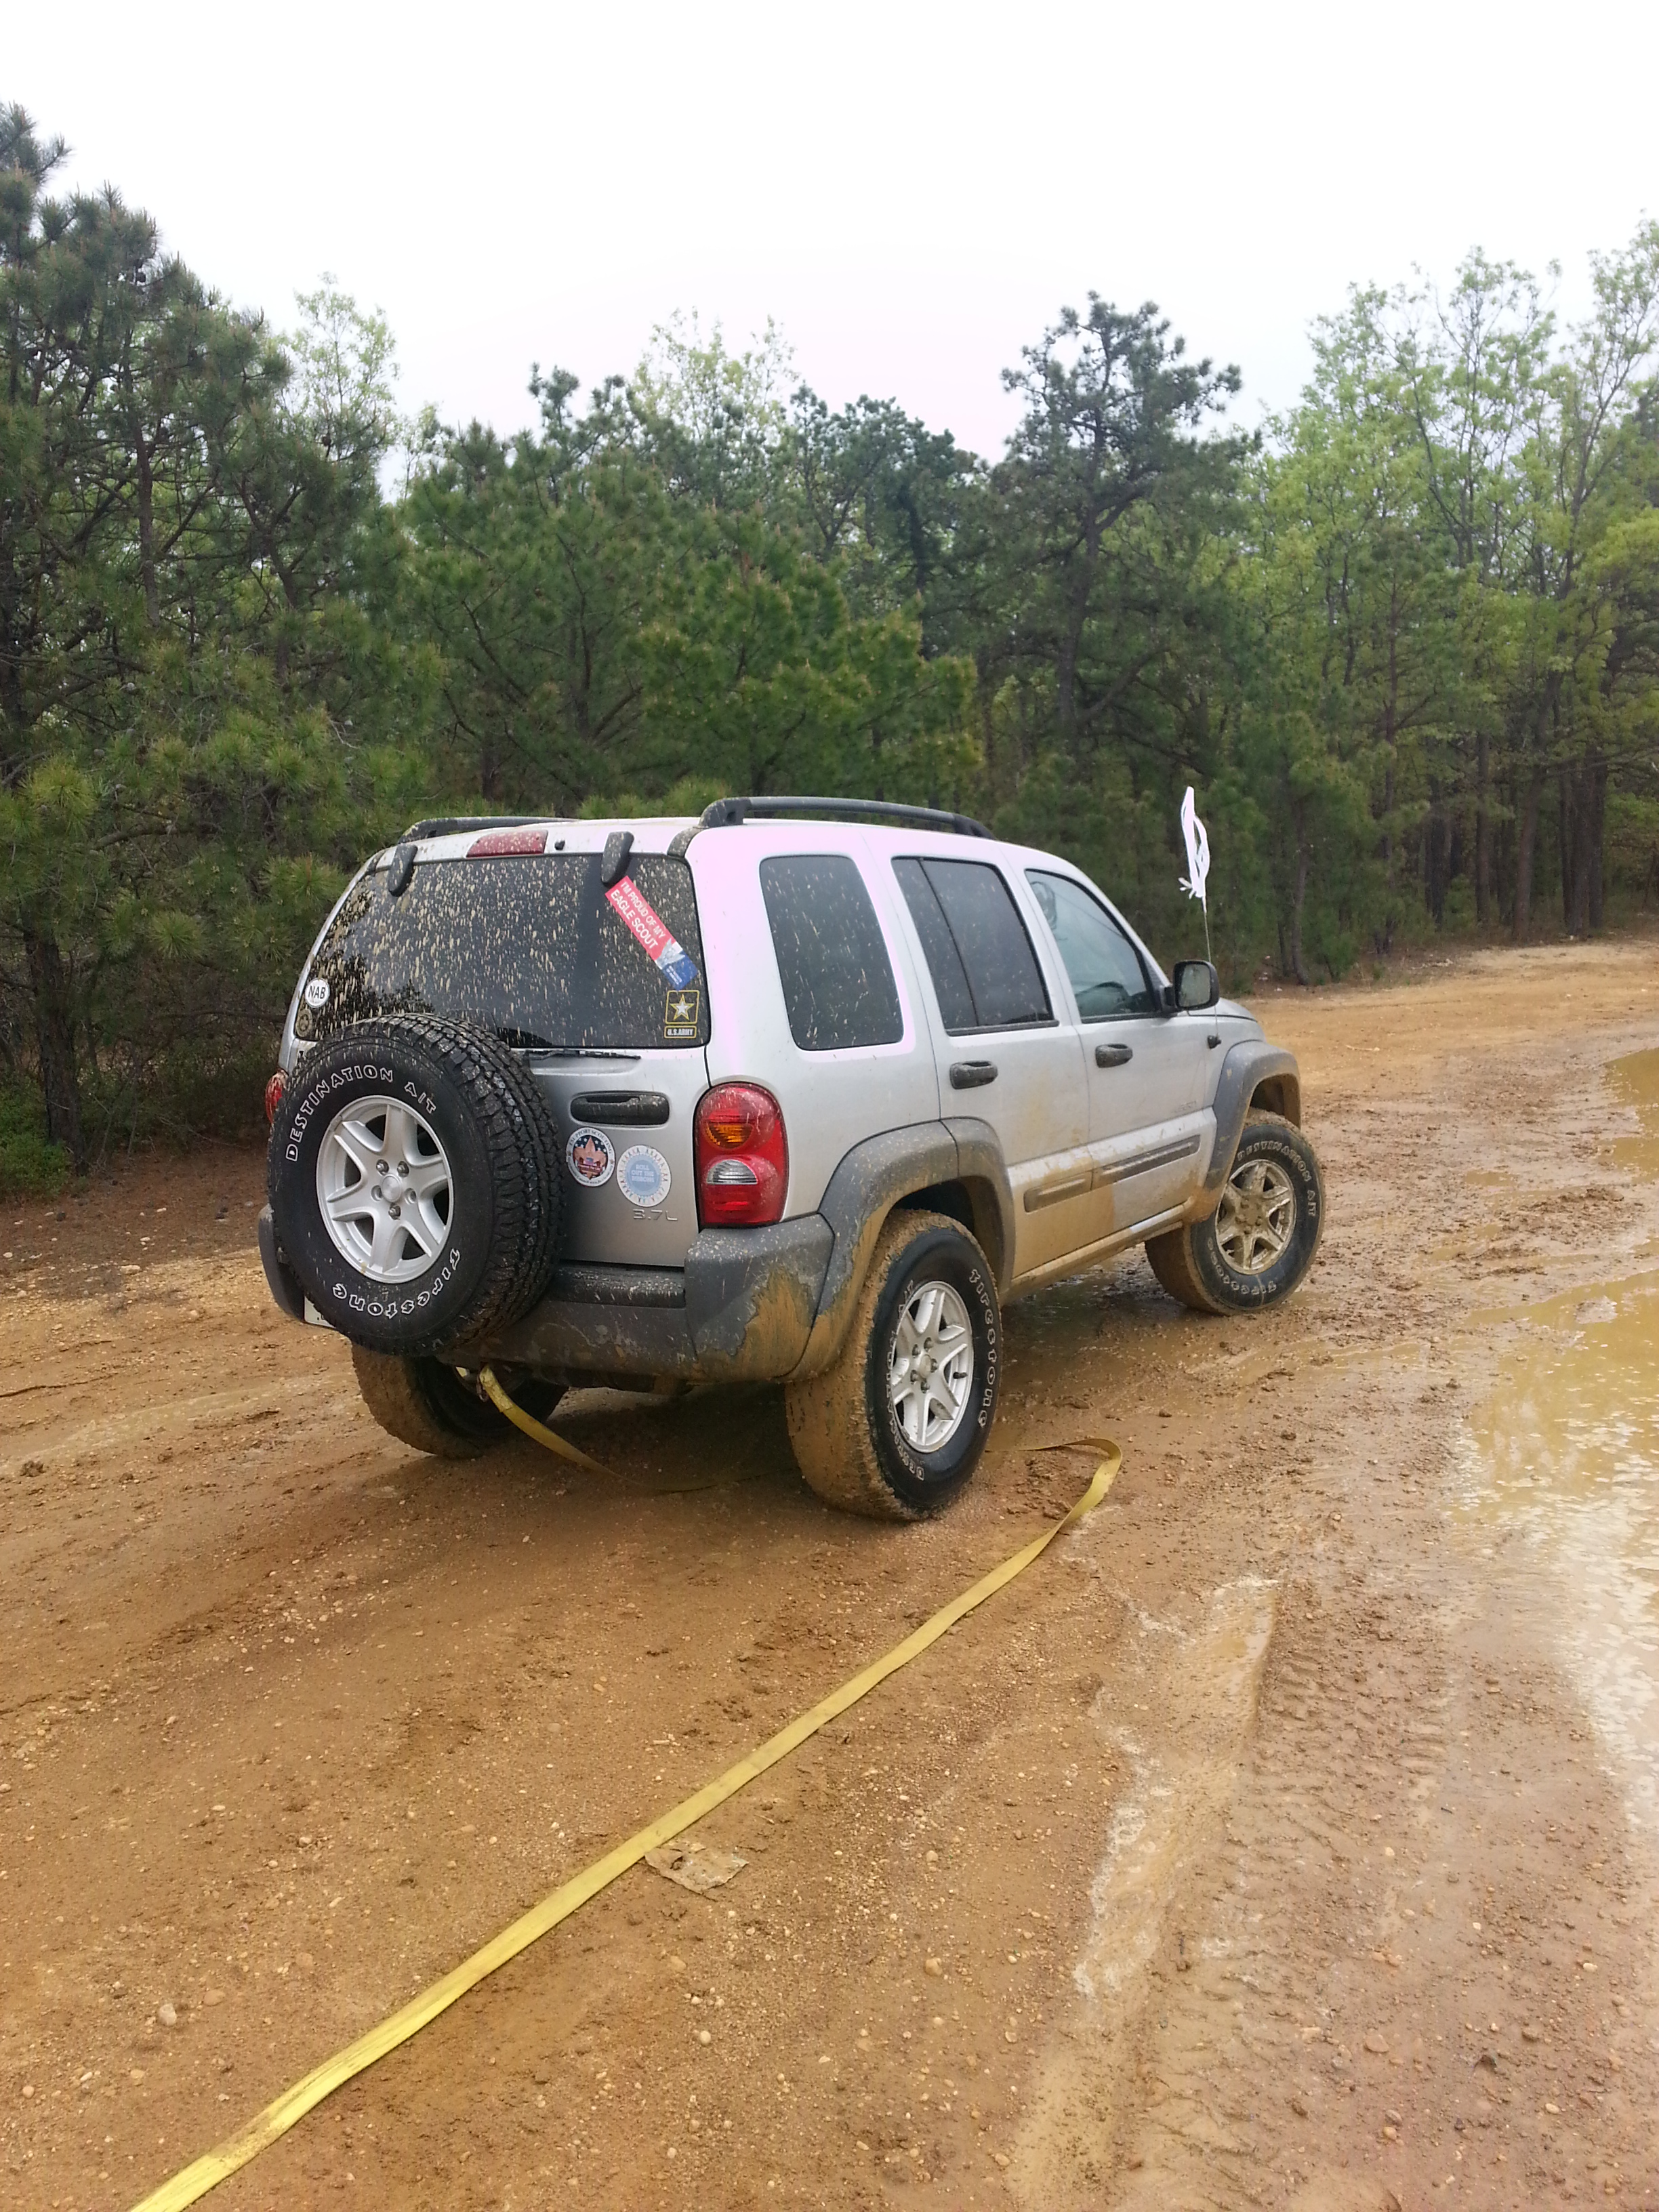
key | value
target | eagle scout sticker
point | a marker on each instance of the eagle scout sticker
(680, 1016)
(631, 906)
(642, 1176)
(589, 1157)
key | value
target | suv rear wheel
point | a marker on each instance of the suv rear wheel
(426, 1404)
(895, 1427)
(1259, 1241)
(414, 1180)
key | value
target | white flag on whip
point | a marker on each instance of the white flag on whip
(1197, 876)
(1198, 851)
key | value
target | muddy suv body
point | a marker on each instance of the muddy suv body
(946, 1029)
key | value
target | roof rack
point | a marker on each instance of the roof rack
(454, 825)
(725, 813)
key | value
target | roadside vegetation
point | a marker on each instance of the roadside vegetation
(254, 619)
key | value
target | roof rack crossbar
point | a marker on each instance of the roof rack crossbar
(727, 813)
(455, 825)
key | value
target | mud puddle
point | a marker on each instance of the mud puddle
(1635, 1083)
(1564, 1455)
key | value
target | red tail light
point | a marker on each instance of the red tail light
(274, 1091)
(743, 1157)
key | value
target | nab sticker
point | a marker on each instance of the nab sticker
(316, 991)
(589, 1157)
(680, 1016)
(642, 1176)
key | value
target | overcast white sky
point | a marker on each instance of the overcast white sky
(911, 189)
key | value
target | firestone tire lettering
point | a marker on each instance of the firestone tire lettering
(1189, 1263)
(846, 1440)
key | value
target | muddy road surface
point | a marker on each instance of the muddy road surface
(1287, 1836)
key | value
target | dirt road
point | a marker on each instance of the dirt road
(1285, 1837)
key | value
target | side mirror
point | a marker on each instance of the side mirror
(1196, 985)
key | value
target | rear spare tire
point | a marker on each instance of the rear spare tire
(414, 1181)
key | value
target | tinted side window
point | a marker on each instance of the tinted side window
(1105, 970)
(955, 1000)
(837, 981)
(981, 959)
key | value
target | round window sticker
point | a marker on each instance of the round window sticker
(316, 991)
(589, 1157)
(642, 1176)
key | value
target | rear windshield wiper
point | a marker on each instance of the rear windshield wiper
(524, 1040)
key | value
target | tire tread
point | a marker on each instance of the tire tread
(1174, 1257)
(829, 1422)
(520, 1147)
(391, 1389)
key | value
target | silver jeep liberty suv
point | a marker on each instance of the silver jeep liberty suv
(803, 1092)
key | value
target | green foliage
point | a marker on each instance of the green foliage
(253, 620)
(30, 1167)
(1454, 591)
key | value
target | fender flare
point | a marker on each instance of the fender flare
(870, 1179)
(1243, 1070)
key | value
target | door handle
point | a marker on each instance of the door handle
(621, 1108)
(969, 1074)
(1113, 1055)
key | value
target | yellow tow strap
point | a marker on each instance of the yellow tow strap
(207, 2172)
(532, 1428)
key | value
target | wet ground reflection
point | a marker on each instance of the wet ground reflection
(1566, 1452)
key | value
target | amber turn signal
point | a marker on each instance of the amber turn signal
(742, 1156)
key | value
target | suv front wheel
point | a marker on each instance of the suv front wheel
(1259, 1241)
(896, 1425)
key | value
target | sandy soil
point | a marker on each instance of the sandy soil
(1260, 1846)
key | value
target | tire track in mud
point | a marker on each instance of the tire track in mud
(1199, 1678)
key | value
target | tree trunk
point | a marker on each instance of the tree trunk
(1526, 848)
(54, 1029)
(1597, 834)
(146, 486)
(1482, 830)
(987, 734)
(1066, 686)
(1436, 864)
(1583, 824)
(1567, 837)
(1298, 963)
(1071, 641)
(1588, 813)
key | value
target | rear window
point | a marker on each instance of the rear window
(978, 953)
(531, 948)
(832, 960)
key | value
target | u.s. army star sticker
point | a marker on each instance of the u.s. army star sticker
(680, 1015)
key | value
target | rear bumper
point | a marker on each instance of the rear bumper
(740, 1310)
(285, 1283)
